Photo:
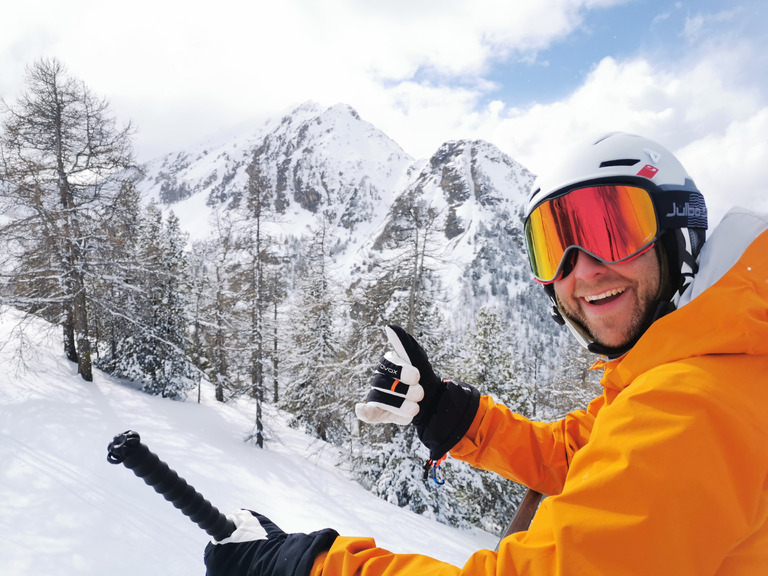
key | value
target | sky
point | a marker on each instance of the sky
(529, 77)
(65, 510)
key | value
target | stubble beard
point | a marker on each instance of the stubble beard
(639, 322)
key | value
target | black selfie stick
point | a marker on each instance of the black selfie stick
(127, 449)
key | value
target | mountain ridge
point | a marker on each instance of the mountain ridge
(329, 164)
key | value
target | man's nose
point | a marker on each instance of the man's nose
(585, 266)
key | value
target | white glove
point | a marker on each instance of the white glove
(395, 390)
(247, 528)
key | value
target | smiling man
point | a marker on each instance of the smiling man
(614, 235)
(667, 471)
(613, 302)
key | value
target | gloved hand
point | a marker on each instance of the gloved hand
(395, 390)
(258, 547)
(406, 389)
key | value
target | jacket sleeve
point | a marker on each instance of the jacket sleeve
(535, 454)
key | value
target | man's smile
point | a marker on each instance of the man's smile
(604, 297)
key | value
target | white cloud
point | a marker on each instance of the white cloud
(716, 127)
(417, 70)
(173, 67)
(729, 166)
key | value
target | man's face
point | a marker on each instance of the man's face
(612, 301)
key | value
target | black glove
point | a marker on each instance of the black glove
(259, 548)
(442, 411)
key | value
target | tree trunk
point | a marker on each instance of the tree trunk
(275, 359)
(69, 336)
(84, 366)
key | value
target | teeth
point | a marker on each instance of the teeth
(604, 295)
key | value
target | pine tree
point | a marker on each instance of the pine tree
(489, 362)
(415, 252)
(369, 301)
(199, 286)
(276, 292)
(313, 395)
(392, 468)
(256, 248)
(215, 334)
(156, 354)
(112, 297)
(571, 385)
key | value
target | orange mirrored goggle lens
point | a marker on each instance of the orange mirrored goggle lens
(611, 223)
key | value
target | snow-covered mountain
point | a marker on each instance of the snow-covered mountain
(331, 163)
(315, 160)
(478, 193)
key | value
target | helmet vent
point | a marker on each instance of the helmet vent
(624, 162)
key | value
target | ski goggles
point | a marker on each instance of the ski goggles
(611, 222)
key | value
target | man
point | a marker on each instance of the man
(667, 471)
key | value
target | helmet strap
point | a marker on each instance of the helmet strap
(681, 247)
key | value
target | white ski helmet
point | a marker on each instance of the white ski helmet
(681, 213)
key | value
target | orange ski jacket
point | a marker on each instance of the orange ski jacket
(666, 473)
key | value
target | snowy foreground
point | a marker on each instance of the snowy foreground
(64, 510)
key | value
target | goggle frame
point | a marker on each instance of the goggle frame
(672, 207)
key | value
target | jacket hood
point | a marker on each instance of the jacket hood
(724, 310)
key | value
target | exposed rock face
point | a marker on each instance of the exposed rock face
(329, 164)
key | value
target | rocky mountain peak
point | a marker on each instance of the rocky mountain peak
(327, 163)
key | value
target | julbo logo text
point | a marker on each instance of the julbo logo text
(686, 210)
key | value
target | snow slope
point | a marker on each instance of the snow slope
(65, 510)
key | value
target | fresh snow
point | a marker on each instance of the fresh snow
(64, 510)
